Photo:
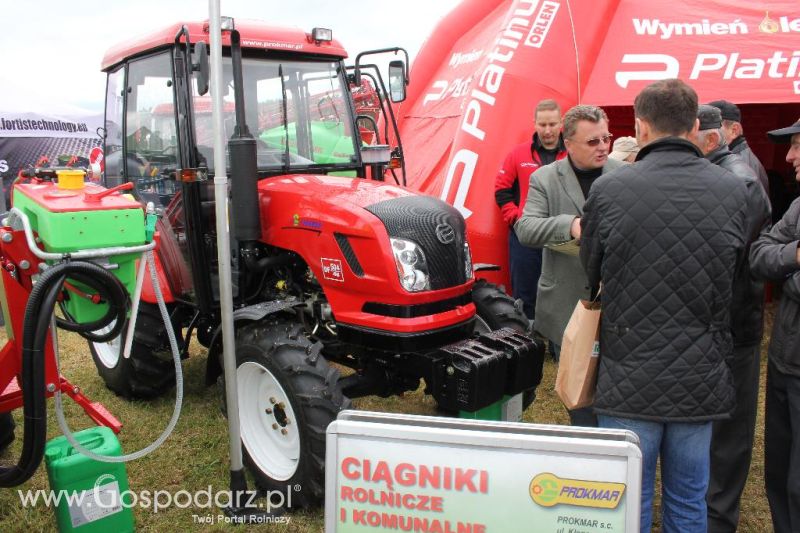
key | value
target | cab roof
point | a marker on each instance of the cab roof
(254, 35)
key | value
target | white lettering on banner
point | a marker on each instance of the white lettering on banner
(788, 25)
(439, 84)
(489, 83)
(796, 89)
(734, 67)
(705, 27)
(469, 159)
(670, 70)
(3, 165)
(458, 58)
(541, 25)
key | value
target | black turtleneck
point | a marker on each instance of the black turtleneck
(585, 177)
(547, 156)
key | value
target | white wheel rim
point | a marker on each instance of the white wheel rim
(268, 423)
(108, 352)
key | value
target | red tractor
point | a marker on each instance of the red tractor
(328, 265)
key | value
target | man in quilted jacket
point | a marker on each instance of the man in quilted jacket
(732, 440)
(665, 235)
(776, 256)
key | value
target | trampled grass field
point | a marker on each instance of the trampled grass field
(196, 455)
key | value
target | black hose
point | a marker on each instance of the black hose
(111, 291)
(38, 315)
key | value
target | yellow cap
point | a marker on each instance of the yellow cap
(70, 179)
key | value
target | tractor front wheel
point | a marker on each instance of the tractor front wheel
(496, 310)
(288, 394)
(149, 372)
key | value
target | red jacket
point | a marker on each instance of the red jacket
(511, 183)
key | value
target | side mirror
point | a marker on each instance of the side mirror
(201, 67)
(397, 81)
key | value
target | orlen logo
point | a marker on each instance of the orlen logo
(541, 24)
(666, 67)
(549, 490)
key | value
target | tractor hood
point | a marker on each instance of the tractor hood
(358, 216)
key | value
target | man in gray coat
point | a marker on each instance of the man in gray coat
(776, 256)
(551, 216)
(732, 440)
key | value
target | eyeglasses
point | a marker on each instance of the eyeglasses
(605, 139)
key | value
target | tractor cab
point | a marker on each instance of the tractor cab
(308, 113)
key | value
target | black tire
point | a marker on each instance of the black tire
(150, 370)
(289, 396)
(496, 310)
(6, 431)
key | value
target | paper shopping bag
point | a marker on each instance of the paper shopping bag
(580, 350)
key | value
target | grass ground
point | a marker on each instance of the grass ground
(196, 455)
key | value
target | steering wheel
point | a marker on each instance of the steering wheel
(332, 116)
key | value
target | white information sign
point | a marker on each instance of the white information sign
(389, 472)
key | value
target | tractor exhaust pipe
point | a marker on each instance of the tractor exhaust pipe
(244, 167)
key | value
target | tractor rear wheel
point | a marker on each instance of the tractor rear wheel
(496, 310)
(150, 371)
(288, 394)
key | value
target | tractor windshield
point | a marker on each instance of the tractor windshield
(298, 112)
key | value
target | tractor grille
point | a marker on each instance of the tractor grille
(434, 225)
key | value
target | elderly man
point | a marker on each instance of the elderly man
(732, 440)
(552, 216)
(511, 190)
(734, 135)
(776, 256)
(665, 235)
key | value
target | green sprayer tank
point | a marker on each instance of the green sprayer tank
(71, 219)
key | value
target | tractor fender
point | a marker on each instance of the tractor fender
(251, 313)
(148, 292)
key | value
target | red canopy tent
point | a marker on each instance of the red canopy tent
(479, 75)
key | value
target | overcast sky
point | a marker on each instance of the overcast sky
(50, 55)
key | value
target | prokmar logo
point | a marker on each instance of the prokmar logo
(549, 490)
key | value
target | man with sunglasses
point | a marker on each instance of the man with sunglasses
(665, 235)
(511, 191)
(551, 216)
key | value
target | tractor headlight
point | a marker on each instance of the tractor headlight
(467, 262)
(412, 269)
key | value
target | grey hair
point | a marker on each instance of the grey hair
(703, 134)
(591, 113)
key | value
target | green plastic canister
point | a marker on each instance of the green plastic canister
(95, 488)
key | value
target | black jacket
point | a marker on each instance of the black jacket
(665, 235)
(747, 310)
(740, 147)
(774, 256)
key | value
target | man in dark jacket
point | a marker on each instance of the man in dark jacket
(665, 235)
(511, 190)
(732, 440)
(734, 136)
(776, 256)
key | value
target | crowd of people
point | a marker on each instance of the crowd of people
(674, 231)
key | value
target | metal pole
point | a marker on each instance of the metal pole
(223, 246)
